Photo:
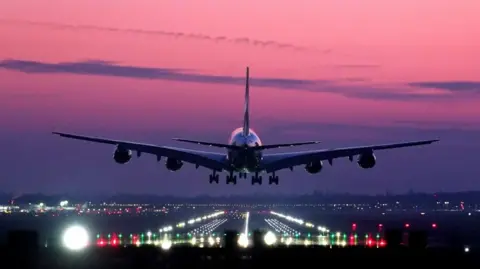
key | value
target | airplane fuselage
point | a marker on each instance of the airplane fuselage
(244, 160)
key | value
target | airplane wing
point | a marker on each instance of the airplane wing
(211, 160)
(278, 161)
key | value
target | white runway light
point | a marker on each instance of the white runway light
(270, 238)
(75, 238)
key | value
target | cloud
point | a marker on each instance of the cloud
(356, 66)
(198, 36)
(454, 86)
(365, 90)
(448, 132)
(103, 68)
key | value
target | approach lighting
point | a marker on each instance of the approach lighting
(75, 238)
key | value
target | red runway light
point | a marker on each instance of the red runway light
(407, 225)
(434, 225)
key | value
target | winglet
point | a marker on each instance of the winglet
(246, 117)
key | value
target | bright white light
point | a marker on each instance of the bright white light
(466, 249)
(243, 240)
(270, 238)
(75, 238)
(166, 244)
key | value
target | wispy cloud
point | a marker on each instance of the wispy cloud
(356, 66)
(104, 68)
(454, 86)
(198, 36)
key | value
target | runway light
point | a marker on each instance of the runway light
(243, 240)
(166, 244)
(407, 225)
(270, 238)
(434, 225)
(75, 238)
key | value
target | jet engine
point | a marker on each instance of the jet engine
(122, 155)
(366, 160)
(173, 164)
(314, 167)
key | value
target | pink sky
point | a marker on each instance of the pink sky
(408, 41)
(396, 42)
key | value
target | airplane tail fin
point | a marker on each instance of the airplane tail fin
(246, 116)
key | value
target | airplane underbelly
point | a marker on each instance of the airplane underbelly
(245, 161)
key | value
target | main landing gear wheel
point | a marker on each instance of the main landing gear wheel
(273, 180)
(232, 179)
(257, 179)
(213, 178)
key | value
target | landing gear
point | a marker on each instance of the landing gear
(231, 179)
(256, 179)
(213, 177)
(273, 179)
(242, 175)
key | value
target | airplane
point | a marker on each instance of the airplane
(245, 153)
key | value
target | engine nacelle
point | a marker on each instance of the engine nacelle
(367, 160)
(173, 164)
(122, 155)
(314, 167)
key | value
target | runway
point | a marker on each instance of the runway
(209, 231)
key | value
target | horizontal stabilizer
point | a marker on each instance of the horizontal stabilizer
(217, 145)
(276, 146)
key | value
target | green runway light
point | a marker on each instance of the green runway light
(108, 235)
(178, 235)
(131, 235)
(98, 235)
(355, 236)
(120, 236)
(308, 235)
(142, 235)
(378, 236)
